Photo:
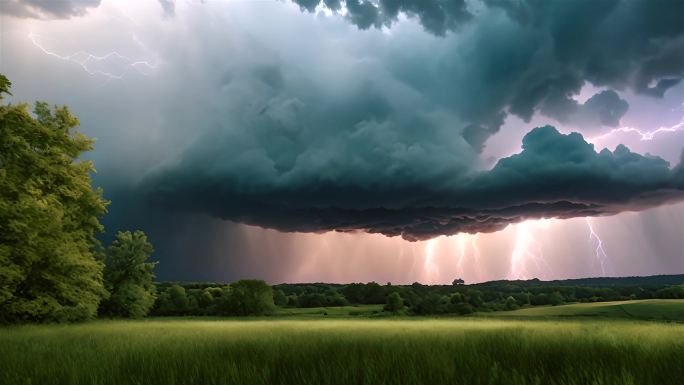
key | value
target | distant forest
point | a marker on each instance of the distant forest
(202, 298)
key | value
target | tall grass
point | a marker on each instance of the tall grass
(186, 352)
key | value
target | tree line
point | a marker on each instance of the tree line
(179, 299)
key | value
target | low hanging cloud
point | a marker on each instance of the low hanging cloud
(47, 9)
(555, 175)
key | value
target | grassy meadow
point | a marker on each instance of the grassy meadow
(649, 310)
(289, 350)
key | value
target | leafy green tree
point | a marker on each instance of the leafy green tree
(540, 299)
(431, 304)
(394, 303)
(247, 297)
(178, 299)
(292, 300)
(172, 301)
(457, 298)
(49, 217)
(279, 298)
(511, 303)
(522, 298)
(128, 277)
(556, 298)
(475, 298)
(205, 299)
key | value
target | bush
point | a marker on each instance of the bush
(394, 303)
(247, 297)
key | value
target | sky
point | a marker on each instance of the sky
(373, 140)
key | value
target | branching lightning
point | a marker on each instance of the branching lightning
(601, 255)
(465, 240)
(88, 61)
(644, 135)
(528, 249)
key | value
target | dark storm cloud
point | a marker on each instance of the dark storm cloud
(436, 16)
(47, 9)
(555, 175)
(605, 108)
(323, 126)
(383, 135)
(523, 57)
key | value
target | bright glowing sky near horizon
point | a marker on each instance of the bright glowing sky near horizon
(385, 140)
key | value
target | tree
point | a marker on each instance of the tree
(279, 297)
(172, 301)
(431, 304)
(394, 303)
(128, 277)
(49, 217)
(556, 298)
(205, 299)
(475, 298)
(247, 297)
(540, 299)
(511, 303)
(458, 281)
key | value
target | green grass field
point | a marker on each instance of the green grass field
(283, 350)
(331, 312)
(658, 309)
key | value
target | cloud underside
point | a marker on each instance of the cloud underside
(555, 176)
(47, 9)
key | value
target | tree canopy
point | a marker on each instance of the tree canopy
(248, 297)
(49, 216)
(128, 277)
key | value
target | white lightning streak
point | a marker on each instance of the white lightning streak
(474, 257)
(528, 248)
(430, 269)
(601, 254)
(85, 60)
(645, 135)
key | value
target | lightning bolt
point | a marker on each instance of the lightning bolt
(87, 61)
(476, 255)
(644, 135)
(430, 268)
(601, 255)
(465, 241)
(528, 249)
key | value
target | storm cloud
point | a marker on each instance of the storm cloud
(605, 108)
(47, 9)
(526, 57)
(555, 175)
(436, 16)
(374, 139)
(372, 117)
